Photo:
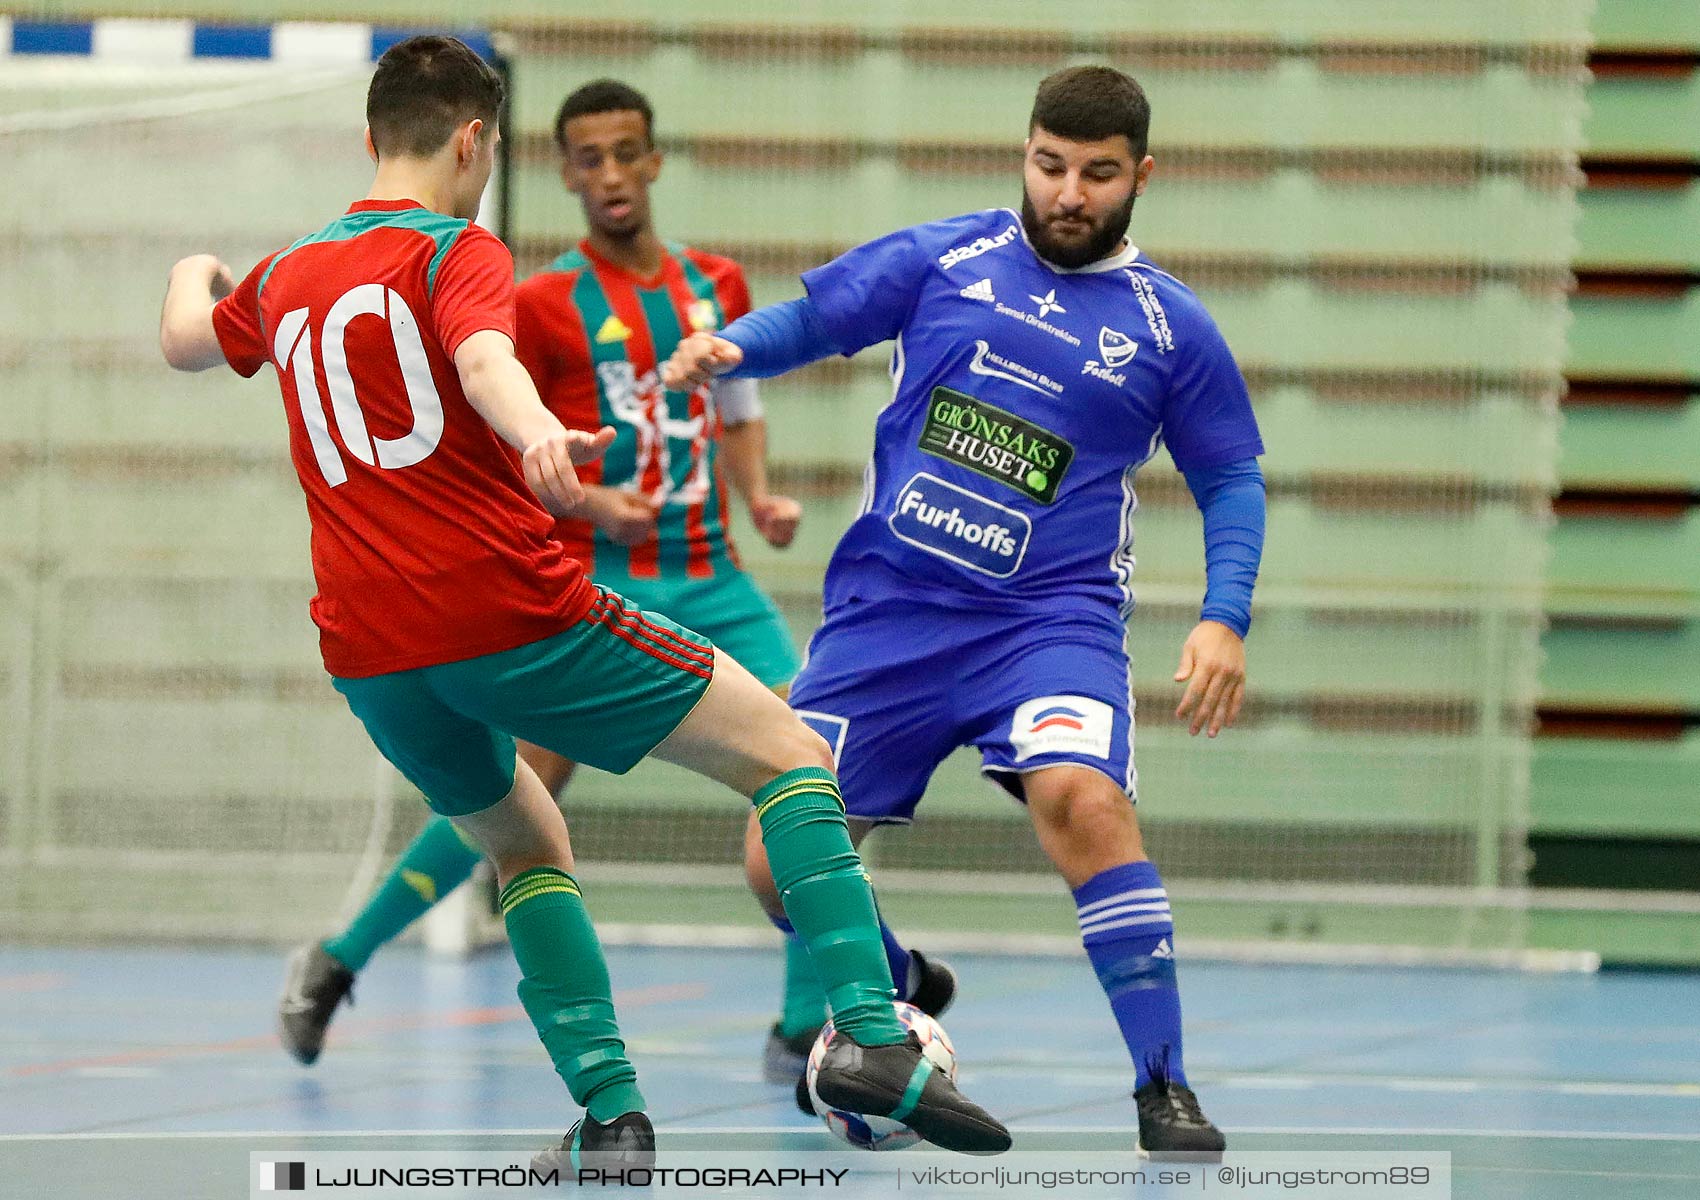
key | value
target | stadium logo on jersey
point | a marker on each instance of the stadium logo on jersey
(1062, 725)
(1155, 317)
(980, 291)
(975, 248)
(702, 315)
(985, 362)
(959, 526)
(1047, 303)
(999, 445)
(613, 330)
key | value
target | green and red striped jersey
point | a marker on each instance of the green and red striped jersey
(593, 335)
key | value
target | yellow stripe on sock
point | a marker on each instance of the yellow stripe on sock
(546, 881)
(514, 902)
(815, 786)
(527, 889)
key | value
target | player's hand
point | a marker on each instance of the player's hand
(698, 359)
(222, 282)
(624, 517)
(548, 464)
(588, 447)
(776, 519)
(1213, 668)
(207, 271)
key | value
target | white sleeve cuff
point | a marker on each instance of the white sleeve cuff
(737, 399)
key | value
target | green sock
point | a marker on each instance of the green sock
(565, 990)
(805, 999)
(435, 864)
(828, 900)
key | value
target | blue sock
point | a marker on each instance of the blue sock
(896, 957)
(1129, 936)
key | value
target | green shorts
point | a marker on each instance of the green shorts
(729, 609)
(604, 692)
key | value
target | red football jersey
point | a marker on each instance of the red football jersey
(427, 545)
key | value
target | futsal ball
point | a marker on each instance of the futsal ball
(865, 1131)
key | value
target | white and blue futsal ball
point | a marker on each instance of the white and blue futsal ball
(867, 1132)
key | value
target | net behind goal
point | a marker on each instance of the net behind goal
(174, 761)
(1378, 209)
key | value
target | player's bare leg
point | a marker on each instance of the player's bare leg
(744, 736)
(1086, 824)
(523, 830)
(554, 770)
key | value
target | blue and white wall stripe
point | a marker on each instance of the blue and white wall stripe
(308, 43)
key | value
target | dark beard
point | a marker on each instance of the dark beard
(1101, 244)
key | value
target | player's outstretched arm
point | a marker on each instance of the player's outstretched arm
(501, 391)
(698, 359)
(186, 336)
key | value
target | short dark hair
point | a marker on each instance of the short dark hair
(600, 96)
(424, 89)
(1089, 104)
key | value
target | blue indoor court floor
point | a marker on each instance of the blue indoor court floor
(150, 1072)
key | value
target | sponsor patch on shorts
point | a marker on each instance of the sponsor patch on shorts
(1062, 725)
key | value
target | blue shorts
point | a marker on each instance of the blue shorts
(895, 686)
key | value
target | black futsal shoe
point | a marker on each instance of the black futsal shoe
(898, 1081)
(625, 1143)
(312, 988)
(786, 1055)
(1172, 1127)
(935, 984)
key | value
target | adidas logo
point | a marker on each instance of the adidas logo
(980, 291)
(613, 330)
(1163, 950)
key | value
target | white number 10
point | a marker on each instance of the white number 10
(293, 350)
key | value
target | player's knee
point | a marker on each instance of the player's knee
(819, 753)
(803, 747)
(1085, 810)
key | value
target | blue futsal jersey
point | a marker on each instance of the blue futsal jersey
(1025, 397)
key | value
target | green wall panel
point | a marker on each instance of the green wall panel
(1644, 116)
(1630, 668)
(1612, 336)
(1641, 228)
(1647, 789)
(1623, 446)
